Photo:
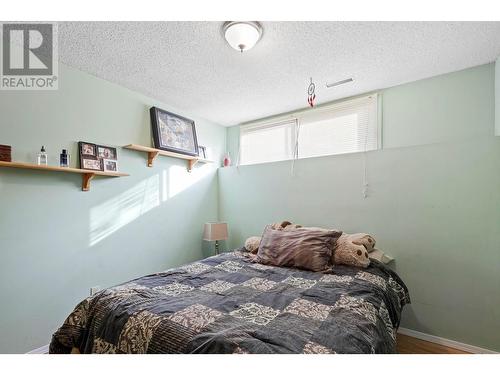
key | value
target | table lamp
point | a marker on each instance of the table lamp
(215, 232)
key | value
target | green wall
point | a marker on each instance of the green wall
(497, 97)
(57, 241)
(434, 200)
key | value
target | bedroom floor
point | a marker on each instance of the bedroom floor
(411, 345)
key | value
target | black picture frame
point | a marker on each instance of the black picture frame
(94, 157)
(106, 152)
(88, 155)
(85, 161)
(109, 165)
(87, 149)
(162, 123)
(202, 152)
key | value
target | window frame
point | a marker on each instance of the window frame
(299, 116)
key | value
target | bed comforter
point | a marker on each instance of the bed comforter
(229, 304)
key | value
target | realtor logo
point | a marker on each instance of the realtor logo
(29, 56)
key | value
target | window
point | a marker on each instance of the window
(348, 126)
(268, 142)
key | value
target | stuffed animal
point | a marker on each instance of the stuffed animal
(285, 225)
(363, 239)
(252, 243)
(350, 249)
(353, 249)
(290, 227)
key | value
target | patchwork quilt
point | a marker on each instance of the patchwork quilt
(229, 304)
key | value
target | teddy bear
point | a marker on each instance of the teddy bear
(353, 249)
(285, 225)
(252, 243)
(350, 249)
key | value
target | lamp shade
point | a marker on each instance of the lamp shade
(215, 231)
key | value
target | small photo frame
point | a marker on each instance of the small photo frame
(105, 152)
(208, 153)
(87, 149)
(91, 164)
(110, 165)
(88, 156)
(202, 152)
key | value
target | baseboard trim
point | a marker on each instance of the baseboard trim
(446, 342)
(41, 350)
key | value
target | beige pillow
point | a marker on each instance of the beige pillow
(305, 248)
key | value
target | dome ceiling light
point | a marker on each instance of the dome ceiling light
(242, 35)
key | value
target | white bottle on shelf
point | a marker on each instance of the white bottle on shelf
(42, 157)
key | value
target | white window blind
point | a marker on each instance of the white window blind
(261, 143)
(348, 126)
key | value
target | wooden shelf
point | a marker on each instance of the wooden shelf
(87, 175)
(154, 152)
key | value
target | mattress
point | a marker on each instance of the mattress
(229, 304)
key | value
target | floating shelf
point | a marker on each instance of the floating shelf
(154, 152)
(87, 175)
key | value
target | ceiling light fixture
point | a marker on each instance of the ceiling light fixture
(242, 35)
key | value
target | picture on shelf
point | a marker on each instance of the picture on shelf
(173, 133)
(208, 153)
(98, 157)
(92, 164)
(5, 153)
(88, 149)
(110, 165)
(105, 152)
(202, 152)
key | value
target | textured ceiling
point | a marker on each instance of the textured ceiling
(190, 66)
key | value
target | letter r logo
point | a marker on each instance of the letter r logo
(27, 49)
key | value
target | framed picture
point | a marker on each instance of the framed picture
(88, 156)
(105, 152)
(110, 165)
(92, 164)
(87, 149)
(172, 132)
(98, 157)
(208, 153)
(202, 152)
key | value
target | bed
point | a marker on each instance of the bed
(229, 304)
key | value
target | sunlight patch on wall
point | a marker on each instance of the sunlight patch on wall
(117, 212)
(177, 180)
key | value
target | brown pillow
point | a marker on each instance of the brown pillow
(305, 248)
